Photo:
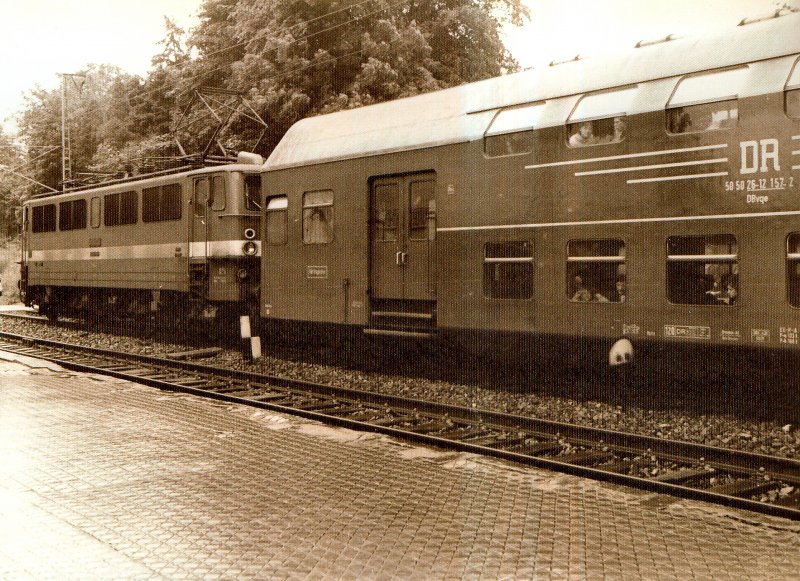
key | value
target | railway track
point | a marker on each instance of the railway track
(760, 483)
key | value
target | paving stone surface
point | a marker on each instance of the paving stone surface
(100, 478)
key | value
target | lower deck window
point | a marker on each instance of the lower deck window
(703, 270)
(508, 270)
(596, 271)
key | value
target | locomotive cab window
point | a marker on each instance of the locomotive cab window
(72, 215)
(318, 217)
(252, 191)
(706, 102)
(703, 270)
(600, 118)
(44, 218)
(276, 220)
(596, 271)
(511, 130)
(793, 269)
(508, 270)
(218, 194)
(792, 93)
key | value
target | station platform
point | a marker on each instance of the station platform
(101, 478)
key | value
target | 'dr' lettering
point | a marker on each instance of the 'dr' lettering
(756, 155)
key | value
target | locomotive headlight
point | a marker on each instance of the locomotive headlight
(249, 234)
(249, 248)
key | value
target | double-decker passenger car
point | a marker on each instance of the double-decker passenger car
(186, 243)
(649, 196)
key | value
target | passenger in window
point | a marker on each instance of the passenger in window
(317, 228)
(713, 289)
(582, 293)
(680, 121)
(730, 291)
(723, 118)
(619, 129)
(621, 290)
(583, 136)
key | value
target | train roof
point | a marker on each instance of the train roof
(463, 113)
(145, 181)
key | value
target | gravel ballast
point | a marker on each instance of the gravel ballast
(563, 395)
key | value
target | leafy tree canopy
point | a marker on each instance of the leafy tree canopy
(291, 58)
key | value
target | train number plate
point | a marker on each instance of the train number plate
(687, 332)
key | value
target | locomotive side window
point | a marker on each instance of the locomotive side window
(510, 132)
(94, 209)
(72, 215)
(44, 218)
(277, 220)
(218, 193)
(508, 270)
(793, 269)
(120, 209)
(703, 270)
(252, 188)
(599, 118)
(596, 271)
(318, 217)
(161, 203)
(792, 94)
(705, 102)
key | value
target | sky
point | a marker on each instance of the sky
(41, 38)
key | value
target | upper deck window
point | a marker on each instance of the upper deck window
(44, 218)
(706, 102)
(792, 94)
(510, 131)
(599, 118)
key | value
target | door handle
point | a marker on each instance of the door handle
(403, 258)
(398, 257)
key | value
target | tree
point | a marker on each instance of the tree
(296, 58)
(12, 188)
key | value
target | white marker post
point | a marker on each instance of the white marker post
(251, 346)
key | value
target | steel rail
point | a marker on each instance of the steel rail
(423, 419)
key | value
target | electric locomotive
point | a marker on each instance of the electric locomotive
(184, 243)
(652, 196)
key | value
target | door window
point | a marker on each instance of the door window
(200, 197)
(420, 210)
